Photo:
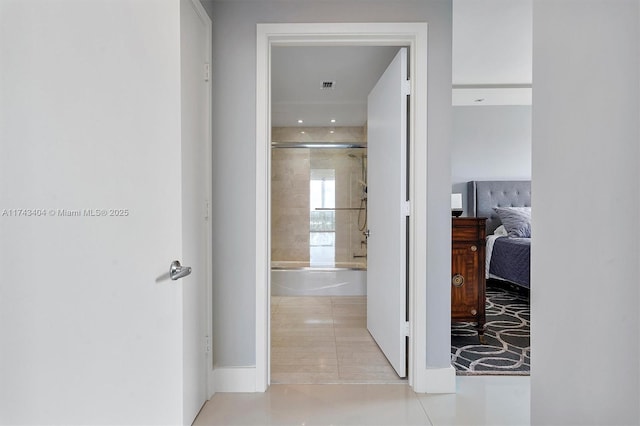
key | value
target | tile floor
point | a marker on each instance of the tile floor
(480, 400)
(324, 340)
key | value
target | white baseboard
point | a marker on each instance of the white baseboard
(435, 380)
(211, 389)
(243, 379)
(233, 379)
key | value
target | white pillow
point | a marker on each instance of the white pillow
(501, 231)
(516, 220)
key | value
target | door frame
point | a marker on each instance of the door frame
(203, 278)
(414, 37)
(206, 209)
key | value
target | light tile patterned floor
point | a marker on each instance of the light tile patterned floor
(480, 400)
(324, 339)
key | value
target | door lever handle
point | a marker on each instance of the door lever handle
(177, 271)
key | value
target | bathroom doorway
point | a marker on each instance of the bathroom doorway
(319, 211)
(318, 273)
(412, 35)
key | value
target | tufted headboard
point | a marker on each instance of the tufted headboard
(484, 195)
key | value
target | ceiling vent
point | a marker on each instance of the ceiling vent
(327, 85)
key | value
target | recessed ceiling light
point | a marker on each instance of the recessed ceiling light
(302, 132)
(333, 120)
(331, 131)
(300, 121)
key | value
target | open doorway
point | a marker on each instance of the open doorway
(491, 171)
(401, 34)
(319, 211)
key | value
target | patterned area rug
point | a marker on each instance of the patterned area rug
(507, 349)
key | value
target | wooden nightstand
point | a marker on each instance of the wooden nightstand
(468, 271)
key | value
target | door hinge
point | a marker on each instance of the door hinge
(406, 208)
(406, 87)
(207, 72)
(207, 344)
(207, 209)
(407, 328)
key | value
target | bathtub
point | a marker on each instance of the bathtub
(295, 279)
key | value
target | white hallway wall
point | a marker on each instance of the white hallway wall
(586, 193)
(234, 132)
(492, 42)
(490, 143)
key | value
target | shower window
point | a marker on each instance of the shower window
(322, 217)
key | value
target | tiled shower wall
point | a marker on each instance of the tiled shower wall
(290, 205)
(290, 180)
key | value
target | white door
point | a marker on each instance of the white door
(387, 221)
(194, 33)
(92, 329)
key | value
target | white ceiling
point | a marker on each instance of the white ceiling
(297, 74)
(492, 52)
(492, 65)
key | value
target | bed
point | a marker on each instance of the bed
(508, 251)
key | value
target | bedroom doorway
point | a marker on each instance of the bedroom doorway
(272, 33)
(491, 168)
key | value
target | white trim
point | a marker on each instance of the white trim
(418, 214)
(211, 388)
(234, 379)
(413, 35)
(437, 380)
(202, 13)
(263, 209)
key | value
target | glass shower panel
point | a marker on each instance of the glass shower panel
(322, 218)
(340, 223)
(318, 207)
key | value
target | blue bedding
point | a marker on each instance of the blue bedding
(510, 260)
